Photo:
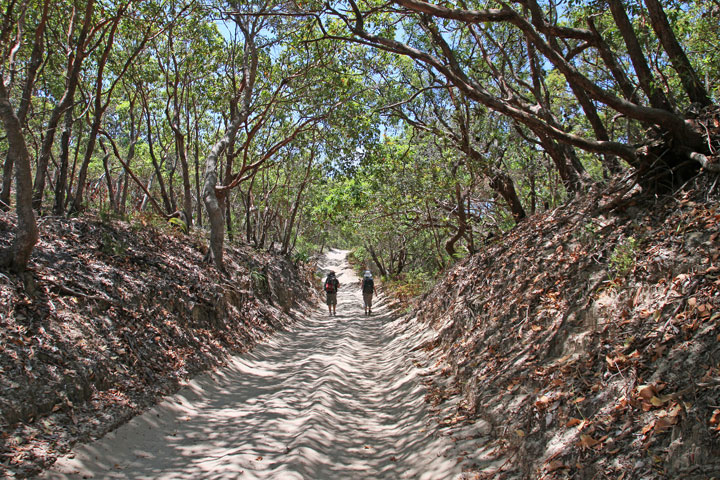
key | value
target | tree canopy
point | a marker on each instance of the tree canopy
(410, 130)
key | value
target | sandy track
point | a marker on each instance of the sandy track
(331, 398)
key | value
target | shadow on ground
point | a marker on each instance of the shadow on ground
(332, 398)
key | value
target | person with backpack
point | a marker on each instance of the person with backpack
(368, 289)
(331, 287)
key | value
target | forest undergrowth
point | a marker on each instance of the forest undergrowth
(585, 343)
(111, 316)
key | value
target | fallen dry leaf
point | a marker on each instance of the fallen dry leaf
(646, 392)
(586, 441)
(659, 401)
(554, 466)
(573, 422)
(663, 423)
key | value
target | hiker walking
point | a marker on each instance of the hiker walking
(331, 287)
(368, 289)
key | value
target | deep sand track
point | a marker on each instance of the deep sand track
(331, 398)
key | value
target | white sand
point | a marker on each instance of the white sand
(331, 398)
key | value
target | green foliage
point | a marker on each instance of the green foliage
(395, 144)
(300, 257)
(410, 285)
(176, 222)
(259, 281)
(109, 245)
(359, 257)
(108, 215)
(623, 257)
(588, 235)
(304, 250)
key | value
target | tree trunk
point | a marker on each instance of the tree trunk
(100, 107)
(295, 207)
(213, 203)
(198, 212)
(214, 211)
(645, 77)
(61, 183)
(122, 200)
(624, 83)
(171, 185)
(378, 261)
(228, 218)
(33, 66)
(558, 152)
(583, 98)
(108, 181)
(17, 256)
(187, 193)
(248, 212)
(77, 203)
(462, 222)
(151, 147)
(504, 185)
(690, 81)
(66, 101)
(436, 237)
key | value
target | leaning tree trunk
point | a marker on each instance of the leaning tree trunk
(295, 207)
(32, 69)
(77, 204)
(689, 79)
(17, 256)
(503, 184)
(462, 226)
(565, 162)
(213, 202)
(73, 79)
(378, 261)
(637, 57)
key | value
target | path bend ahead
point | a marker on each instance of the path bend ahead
(330, 398)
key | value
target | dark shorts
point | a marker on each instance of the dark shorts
(367, 298)
(331, 298)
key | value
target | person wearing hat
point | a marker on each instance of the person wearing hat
(331, 287)
(368, 289)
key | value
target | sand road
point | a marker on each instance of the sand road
(330, 398)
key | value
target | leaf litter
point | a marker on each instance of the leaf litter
(112, 316)
(584, 343)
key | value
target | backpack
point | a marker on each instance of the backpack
(368, 285)
(330, 284)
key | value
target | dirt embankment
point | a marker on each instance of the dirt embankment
(110, 317)
(585, 343)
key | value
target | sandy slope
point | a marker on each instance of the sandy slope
(332, 398)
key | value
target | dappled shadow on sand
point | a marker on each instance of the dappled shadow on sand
(333, 397)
